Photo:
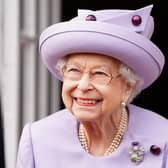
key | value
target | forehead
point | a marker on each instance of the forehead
(91, 59)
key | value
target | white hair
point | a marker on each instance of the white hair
(133, 79)
(61, 64)
(128, 74)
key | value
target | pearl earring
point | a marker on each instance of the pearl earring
(123, 104)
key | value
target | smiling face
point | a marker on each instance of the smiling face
(83, 92)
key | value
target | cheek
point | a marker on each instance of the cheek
(67, 89)
(112, 99)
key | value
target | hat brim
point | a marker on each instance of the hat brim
(131, 48)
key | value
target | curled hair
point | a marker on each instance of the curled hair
(133, 79)
(61, 64)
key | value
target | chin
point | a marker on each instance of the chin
(85, 115)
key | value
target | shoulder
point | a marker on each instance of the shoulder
(58, 120)
(146, 122)
(49, 128)
(44, 135)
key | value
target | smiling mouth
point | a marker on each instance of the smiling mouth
(86, 101)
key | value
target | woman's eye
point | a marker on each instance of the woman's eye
(73, 70)
(101, 73)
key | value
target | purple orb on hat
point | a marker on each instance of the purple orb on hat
(122, 34)
(90, 18)
(136, 20)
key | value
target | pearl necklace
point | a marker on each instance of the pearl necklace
(116, 140)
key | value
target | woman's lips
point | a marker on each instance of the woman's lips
(87, 101)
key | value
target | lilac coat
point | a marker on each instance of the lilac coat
(53, 143)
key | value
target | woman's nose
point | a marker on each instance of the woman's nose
(84, 83)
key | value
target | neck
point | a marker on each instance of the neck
(99, 134)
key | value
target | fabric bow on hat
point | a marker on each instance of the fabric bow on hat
(124, 19)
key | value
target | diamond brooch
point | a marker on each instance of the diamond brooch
(136, 152)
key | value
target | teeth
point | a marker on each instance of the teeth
(86, 101)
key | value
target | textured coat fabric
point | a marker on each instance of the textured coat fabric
(53, 143)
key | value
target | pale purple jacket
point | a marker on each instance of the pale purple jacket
(53, 143)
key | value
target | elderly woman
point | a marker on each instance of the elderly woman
(104, 58)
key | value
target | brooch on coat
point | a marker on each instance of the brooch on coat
(136, 152)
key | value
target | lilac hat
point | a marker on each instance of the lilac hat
(122, 34)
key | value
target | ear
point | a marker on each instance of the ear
(127, 92)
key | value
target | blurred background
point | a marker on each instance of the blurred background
(27, 91)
